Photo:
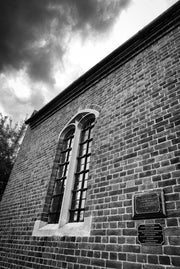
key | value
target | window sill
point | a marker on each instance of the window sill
(43, 229)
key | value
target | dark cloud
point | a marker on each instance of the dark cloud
(34, 37)
(34, 32)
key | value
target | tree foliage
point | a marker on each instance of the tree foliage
(11, 136)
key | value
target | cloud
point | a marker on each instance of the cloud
(19, 104)
(34, 32)
(35, 36)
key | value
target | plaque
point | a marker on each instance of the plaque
(150, 234)
(148, 205)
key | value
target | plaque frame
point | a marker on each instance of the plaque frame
(152, 241)
(147, 209)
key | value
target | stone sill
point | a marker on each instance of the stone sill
(43, 229)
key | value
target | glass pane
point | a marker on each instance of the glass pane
(78, 185)
(66, 157)
(59, 187)
(82, 161)
(84, 195)
(65, 170)
(83, 149)
(85, 184)
(56, 203)
(85, 135)
(81, 217)
(75, 204)
(60, 171)
(89, 146)
(86, 176)
(83, 203)
(75, 216)
(62, 158)
(53, 218)
(80, 177)
(87, 166)
(78, 195)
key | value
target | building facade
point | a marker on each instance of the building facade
(97, 180)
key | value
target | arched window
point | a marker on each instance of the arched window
(61, 177)
(71, 180)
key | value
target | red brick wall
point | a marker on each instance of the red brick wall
(136, 147)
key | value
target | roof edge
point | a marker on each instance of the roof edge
(164, 23)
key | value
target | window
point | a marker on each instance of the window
(67, 208)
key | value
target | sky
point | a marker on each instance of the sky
(47, 44)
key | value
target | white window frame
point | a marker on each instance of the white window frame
(64, 227)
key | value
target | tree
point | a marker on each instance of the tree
(11, 136)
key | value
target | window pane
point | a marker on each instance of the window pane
(83, 149)
(85, 184)
(56, 203)
(75, 216)
(89, 146)
(59, 187)
(83, 195)
(83, 203)
(81, 217)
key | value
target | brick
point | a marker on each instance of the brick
(131, 257)
(71, 259)
(114, 264)
(166, 183)
(128, 265)
(83, 260)
(174, 213)
(113, 232)
(113, 247)
(141, 258)
(172, 222)
(122, 256)
(164, 260)
(174, 231)
(148, 266)
(105, 255)
(153, 259)
(172, 250)
(113, 256)
(152, 249)
(98, 262)
(174, 240)
(130, 232)
(176, 261)
(131, 248)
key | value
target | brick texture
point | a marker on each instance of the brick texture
(136, 147)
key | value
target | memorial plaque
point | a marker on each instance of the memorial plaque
(150, 234)
(148, 205)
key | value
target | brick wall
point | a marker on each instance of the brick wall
(136, 147)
